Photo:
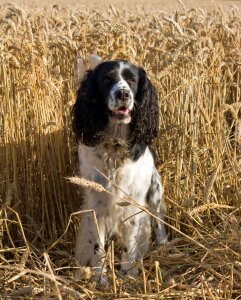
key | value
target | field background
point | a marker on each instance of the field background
(192, 54)
(152, 5)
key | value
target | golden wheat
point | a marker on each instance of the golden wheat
(193, 57)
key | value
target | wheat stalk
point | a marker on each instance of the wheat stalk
(193, 58)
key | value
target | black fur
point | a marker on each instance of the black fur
(145, 122)
(90, 114)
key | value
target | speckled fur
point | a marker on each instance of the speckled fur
(120, 150)
(140, 180)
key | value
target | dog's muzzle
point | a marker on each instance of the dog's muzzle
(120, 107)
(123, 95)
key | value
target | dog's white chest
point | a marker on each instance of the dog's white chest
(124, 175)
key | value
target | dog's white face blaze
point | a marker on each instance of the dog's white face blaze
(118, 106)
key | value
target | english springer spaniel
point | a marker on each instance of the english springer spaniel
(115, 119)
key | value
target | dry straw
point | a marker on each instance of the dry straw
(193, 58)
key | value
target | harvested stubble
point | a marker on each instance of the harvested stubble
(194, 59)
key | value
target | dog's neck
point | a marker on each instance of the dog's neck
(117, 133)
(116, 146)
(113, 150)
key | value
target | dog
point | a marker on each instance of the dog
(115, 119)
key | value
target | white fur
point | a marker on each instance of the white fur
(134, 178)
(114, 103)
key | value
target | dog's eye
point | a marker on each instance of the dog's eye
(130, 80)
(107, 80)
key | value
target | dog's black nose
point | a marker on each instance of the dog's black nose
(122, 95)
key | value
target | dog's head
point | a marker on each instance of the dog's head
(116, 92)
(117, 83)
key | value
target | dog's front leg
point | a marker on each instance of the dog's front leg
(156, 203)
(90, 243)
(136, 239)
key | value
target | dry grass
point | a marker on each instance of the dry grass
(193, 57)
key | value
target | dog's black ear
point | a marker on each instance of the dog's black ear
(145, 120)
(89, 115)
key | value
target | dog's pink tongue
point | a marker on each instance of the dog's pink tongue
(122, 111)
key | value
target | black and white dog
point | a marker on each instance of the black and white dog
(115, 119)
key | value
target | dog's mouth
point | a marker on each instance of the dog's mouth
(120, 113)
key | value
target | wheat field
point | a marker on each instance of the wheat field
(193, 57)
